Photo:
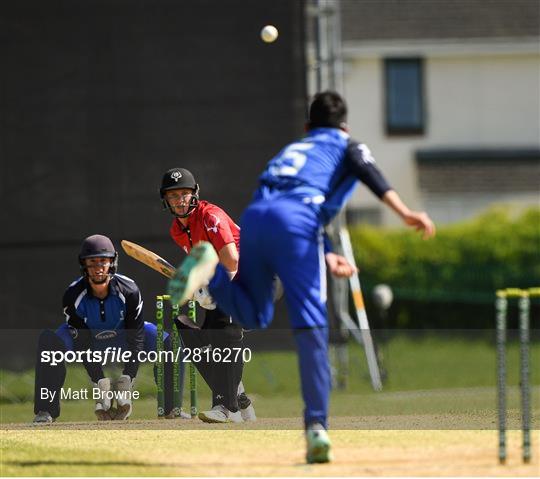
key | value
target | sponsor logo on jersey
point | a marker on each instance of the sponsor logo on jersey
(107, 334)
(211, 223)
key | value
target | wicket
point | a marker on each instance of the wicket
(192, 314)
(175, 346)
(501, 307)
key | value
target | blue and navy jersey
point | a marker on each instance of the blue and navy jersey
(322, 169)
(96, 323)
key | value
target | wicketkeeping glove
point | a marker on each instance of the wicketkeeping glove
(123, 400)
(103, 403)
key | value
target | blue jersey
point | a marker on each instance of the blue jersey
(301, 189)
(322, 169)
(97, 323)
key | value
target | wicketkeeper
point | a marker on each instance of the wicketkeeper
(102, 309)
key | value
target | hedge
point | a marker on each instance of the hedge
(450, 280)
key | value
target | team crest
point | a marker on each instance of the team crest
(211, 223)
(176, 175)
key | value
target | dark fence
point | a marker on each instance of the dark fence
(99, 98)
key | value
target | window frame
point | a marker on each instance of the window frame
(390, 128)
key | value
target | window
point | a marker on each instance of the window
(404, 96)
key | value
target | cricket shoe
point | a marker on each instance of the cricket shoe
(246, 408)
(220, 414)
(177, 413)
(104, 415)
(121, 413)
(195, 272)
(318, 445)
(43, 417)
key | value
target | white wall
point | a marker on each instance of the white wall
(484, 101)
(477, 96)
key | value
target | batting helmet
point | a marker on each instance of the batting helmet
(175, 179)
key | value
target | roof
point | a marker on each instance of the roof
(439, 19)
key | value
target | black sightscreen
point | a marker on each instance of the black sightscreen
(99, 98)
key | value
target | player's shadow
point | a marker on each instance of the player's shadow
(87, 463)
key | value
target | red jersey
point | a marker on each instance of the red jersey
(207, 222)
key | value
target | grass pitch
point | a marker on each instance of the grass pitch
(391, 438)
(218, 452)
(436, 417)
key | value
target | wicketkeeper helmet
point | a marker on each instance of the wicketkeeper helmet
(98, 246)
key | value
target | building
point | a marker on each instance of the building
(447, 96)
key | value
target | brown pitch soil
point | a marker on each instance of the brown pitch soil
(274, 448)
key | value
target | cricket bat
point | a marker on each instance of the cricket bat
(149, 258)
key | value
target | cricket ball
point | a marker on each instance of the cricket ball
(269, 34)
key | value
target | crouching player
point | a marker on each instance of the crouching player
(103, 311)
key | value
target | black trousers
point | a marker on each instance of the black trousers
(49, 378)
(223, 377)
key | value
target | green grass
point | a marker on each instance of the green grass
(468, 408)
(437, 388)
(444, 375)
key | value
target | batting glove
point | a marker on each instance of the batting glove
(202, 296)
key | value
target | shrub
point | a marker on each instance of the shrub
(450, 280)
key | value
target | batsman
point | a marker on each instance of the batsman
(194, 221)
